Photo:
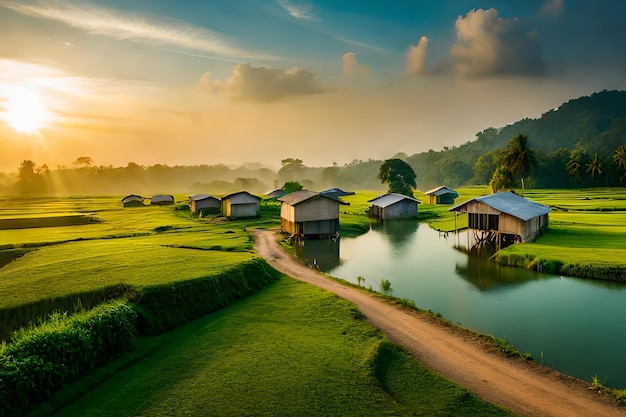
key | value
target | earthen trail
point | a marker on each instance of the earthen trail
(526, 388)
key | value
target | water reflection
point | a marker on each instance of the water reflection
(574, 325)
(397, 232)
(489, 276)
(322, 254)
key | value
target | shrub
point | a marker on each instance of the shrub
(39, 361)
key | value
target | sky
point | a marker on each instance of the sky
(326, 81)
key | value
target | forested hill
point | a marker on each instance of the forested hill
(593, 124)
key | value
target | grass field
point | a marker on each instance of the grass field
(289, 350)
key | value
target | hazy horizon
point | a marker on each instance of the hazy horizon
(207, 82)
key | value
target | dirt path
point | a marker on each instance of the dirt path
(526, 388)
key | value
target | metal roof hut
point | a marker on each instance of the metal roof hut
(279, 192)
(132, 200)
(505, 218)
(162, 199)
(307, 214)
(336, 192)
(393, 206)
(240, 204)
(205, 203)
(442, 195)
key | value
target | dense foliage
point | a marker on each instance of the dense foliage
(398, 175)
(580, 144)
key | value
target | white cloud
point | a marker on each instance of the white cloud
(353, 70)
(261, 84)
(297, 11)
(122, 25)
(416, 58)
(490, 45)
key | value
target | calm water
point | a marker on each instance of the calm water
(576, 326)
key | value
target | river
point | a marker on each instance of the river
(575, 326)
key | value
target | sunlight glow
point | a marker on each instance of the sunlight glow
(25, 110)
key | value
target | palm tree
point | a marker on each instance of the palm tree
(576, 163)
(619, 157)
(518, 158)
(595, 166)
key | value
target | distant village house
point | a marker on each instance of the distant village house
(442, 195)
(240, 204)
(132, 200)
(393, 206)
(205, 203)
(162, 199)
(307, 214)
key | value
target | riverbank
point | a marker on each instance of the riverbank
(538, 390)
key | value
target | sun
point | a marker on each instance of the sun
(25, 111)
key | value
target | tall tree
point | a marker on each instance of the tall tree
(619, 157)
(576, 164)
(518, 158)
(29, 180)
(595, 166)
(291, 169)
(398, 175)
(501, 180)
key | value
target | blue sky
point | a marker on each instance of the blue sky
(325, 81)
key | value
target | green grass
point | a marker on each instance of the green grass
(291, 349)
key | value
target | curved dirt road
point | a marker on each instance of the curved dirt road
(526, 388)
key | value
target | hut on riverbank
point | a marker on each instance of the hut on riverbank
(504, 218)
(393, 206)
(442, 195)
(309, 215)
(205, 203)
(240, 204)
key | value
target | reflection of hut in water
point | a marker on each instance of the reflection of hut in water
(205, 203)
(442, 195)
(321, 254)
(393, 206)
(504, 218)
(132, 200)
(240, 204)
(491, 276)
(307, 214)
(398, 232)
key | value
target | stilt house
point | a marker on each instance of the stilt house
(393, 206)
(508, 216)
(307, 214)
(240, 204)
(442, 195)
(205, 202)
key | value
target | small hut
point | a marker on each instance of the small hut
(205, 203)
(132, 200)
(442, 195)
(307, 214)
(393, 206)
(336, 192)
(505, 217)
(279, 192)
(162, 199)
(240, 204)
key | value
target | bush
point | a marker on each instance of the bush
(39, 361)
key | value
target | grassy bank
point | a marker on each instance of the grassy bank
(291, 349)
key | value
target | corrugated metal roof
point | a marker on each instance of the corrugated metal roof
(390, 199)
(439, 191)
(298, 197)
(198, 197)
(242, 197)
(509, 203)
